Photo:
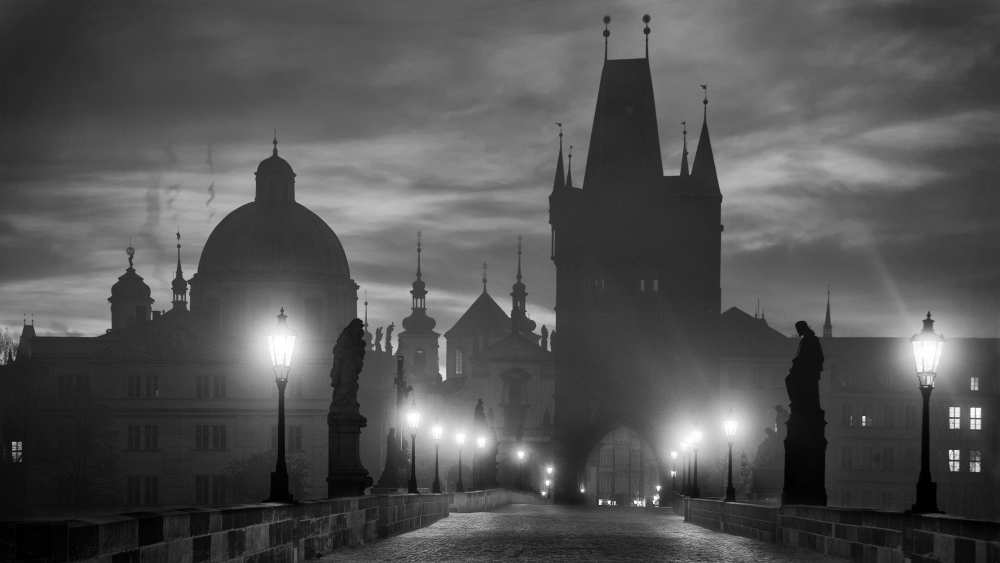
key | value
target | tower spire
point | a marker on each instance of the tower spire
(419, 250)
(569, 169)
(827, 323)
(645, 31)
(179, 285)
(557, 182)
(518, 258)
(684, 154)
(518, 313)
(703, 168)
(607, 32)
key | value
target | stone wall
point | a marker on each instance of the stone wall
(261, 532)
(490, 499)
(861, 535)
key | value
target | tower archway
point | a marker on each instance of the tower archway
(621, 469)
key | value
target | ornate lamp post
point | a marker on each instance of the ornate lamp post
(729, 427)
(413, 421)
(926, 354)
(436, 432)
(694, 439)
(460, 441)
(281, 345)
(521, 455)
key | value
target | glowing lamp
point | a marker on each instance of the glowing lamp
(673, 454)
(481, 442)
(460, 438)
(520, 455)
(927, 346)
(549, 469)
(413, 419)
(281, 344)
(437, 432)
(729, 427)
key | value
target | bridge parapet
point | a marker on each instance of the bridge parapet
(266, 532)
(487, 500)
(858, 534)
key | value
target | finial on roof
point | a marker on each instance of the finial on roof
(704, 101)
(607, 32)
(569, 169)
(645, 31)
(131, 253)
(275, 142)
(518, 257)
(827, 322)
(484, 277)
(366, 308)
(559, 181)
(419, 250)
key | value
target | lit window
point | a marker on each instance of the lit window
(975, 461)
(17, 451)
(975, 418)
(954, 460)
(866, 421)
(458, 362)
(954, 418)
(974, 383)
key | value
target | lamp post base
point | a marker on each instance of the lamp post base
(279, 488)
(730, 493)
(926, 499)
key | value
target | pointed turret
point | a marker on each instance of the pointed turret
(827, 323)
(418, 321)
(558, 181)
(569, 169)
(179, 285)
(703, 168)
(684, 154)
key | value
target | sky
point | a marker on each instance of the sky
(856, 142)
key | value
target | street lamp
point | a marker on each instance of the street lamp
(521, 455)
(460, 441)
(436, 432)
(413, 421)
(281, 344)
(729, 427)
(673, 470)
(926, 354)
(685, 485)
(477, 471)
(694, 439)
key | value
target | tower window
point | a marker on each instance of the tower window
(975, 461)
(954, 460)
(974, 383)
(17, 451)
(954, 418)
(458, 362)
(975, 418)
(656, 286)
(420, 358)
(866, 421)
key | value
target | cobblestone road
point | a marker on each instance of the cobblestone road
(556, 533)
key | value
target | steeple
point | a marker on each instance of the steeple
(569, 169)
(684, 153)
(827, 323)
(418, 321)
(703, 168)
(519, 295)
(557, 182)
(179, 285)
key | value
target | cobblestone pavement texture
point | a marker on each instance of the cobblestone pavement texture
(557, 533)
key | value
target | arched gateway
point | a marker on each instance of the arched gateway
(637, 280)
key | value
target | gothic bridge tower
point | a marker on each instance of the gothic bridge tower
(637, 258)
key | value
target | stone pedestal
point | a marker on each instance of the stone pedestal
(346, 476)
(805, 459)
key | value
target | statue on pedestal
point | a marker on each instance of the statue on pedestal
(805, 445)
(346, 476)
(396, 470)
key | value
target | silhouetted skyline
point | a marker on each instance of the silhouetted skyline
(855, 146)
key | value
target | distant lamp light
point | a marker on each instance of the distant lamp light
(658, 487)
(549, 469)
(413, 419)
(436, 432)
(520, 455)
(729, 427)
(673, 473)
(695, 437)
(548, 482)
(583, 490)
(460, 438)
(927, 346)
(673, 454)
(481, 442)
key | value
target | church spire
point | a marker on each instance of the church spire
(557, 182)
(684, 153)
(179, 285)
(569, 168)
(418, 321)
(703, 168)
(827, 323)
(519, 294)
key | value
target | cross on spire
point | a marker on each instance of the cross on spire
(645, 31)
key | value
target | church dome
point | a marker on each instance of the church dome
(130, 286)
(276, 165)
(273, 239)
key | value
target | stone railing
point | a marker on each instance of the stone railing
(266, 532)
(861, 535)
(490, 499)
